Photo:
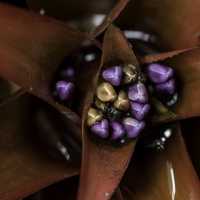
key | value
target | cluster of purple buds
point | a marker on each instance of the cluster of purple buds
(120, 105)
(162, 77)
(64, 86)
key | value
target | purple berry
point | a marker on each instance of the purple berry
(158, 73)
(113, 75)
(64, 90)
(118, 130)
(133, 127)
(68, 73)
(139, 111)
(101, 129)
(167, 87)
(138, 93)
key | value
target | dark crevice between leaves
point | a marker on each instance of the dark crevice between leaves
(18, 3)
(62, 190)
(93, 16)
(190, 129)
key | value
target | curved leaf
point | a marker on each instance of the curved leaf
(80, 10)
(174, 22)
(162, 56)
(102, 165)
(162, 175)
(25, 168)
(188, 71)
(187, 67)
(110, 18)
(31, 49)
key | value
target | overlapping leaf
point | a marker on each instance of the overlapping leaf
(32, 65)
(186, 65)
(32, 47)
(69, 11)
(174, 22)
(25, 168)
(103, 165)
(165, 175)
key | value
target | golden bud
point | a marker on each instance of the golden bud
(93, 116)
(130, 72)
(122, 101)
(106, 92)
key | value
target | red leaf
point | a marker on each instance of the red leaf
(186, 64)
(31, 49)
(25, 168)
(111, 17)
(162, 175)
(188, 71)
(81, 11)
(174, 22)
(162, 56)
(103, 166)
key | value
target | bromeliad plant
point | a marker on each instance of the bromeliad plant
(124, 102)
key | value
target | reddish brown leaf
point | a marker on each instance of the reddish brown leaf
(162, 175)
(174, 22)
(25, 168)
(82, 11)
(110, 18)
(162, 56)
(102, 165)
(186, 64)
(188, 71)
(32, 47)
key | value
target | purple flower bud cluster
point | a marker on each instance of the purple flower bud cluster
(162, 77)
(123, 105)
(64, 85)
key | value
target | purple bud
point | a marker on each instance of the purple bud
(159, 73)
(64, 90)
(139, 111)
(113, 75)
(101, 129)
(133, 127)
(118, 130)
(68, 73)
(167, 87)
(138, 93)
